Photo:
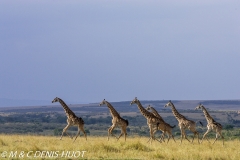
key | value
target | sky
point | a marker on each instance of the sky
(85, 51)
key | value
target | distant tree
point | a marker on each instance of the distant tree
(142, 133)
(61, 119)
(87, 131)
(229, 127)
(177, 133)
(115, 132)
(57, 132)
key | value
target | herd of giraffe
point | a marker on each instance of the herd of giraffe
(154, 121)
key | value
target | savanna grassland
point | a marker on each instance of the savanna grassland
(34, 133)
(50, 147)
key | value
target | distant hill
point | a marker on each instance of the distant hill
(4, 102)
(43, 106)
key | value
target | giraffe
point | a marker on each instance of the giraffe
(184, 123)
(116, 120)
(72, 119)
(165, 127)
(152, 120)
(212, 124)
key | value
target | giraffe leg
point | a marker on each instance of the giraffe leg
(154, 131)
(168, 138)
(123, 131)
(193, 137)
(65, 131)
(185, 135)
(207, 139)
(205, 135)
(215, 138)
(162, 136)
(181, 139)
(195, 133)
(110, 131)
(198, 137)
(78, 133)
(181, 135)
(120, 135)
(222, 138)
(193, 130)
(170, 135)
(152, 134)
(220, 134)
(125, 135)
(149, 137)
(82, 129)
(173, 138)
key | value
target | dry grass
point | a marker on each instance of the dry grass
(100, 148)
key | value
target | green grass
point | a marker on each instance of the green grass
(100, 148)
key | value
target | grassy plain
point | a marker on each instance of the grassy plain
(47, 147)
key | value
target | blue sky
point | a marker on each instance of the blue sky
(85, 51)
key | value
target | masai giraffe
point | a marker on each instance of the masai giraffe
(116, 120)
(152, 120)
(164, 127)
(212, 124)
(72, 119)
(184, 123)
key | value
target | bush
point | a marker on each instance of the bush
(229, 127)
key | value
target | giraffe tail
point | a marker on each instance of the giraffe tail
(200, 123)
(127, 122)
(81, 120)
(158, 124)
(173, 126)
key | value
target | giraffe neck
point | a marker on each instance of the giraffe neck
(155, 113)
(113, 112)
(176, 113)
(66, 108)
(207, 115)
(144, 112)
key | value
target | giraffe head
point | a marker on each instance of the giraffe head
(55, 100)
(135, 101)
(199, 106)
(103, 102)
(169, 104)
(148, 107)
